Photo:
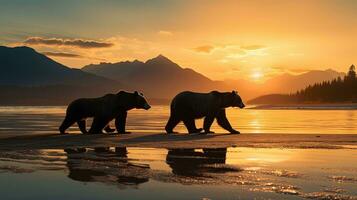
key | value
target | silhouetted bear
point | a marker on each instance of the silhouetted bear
(103, 110)
(188, 106)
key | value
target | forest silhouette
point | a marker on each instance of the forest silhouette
(339, 90)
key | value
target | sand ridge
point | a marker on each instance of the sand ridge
(162, 140)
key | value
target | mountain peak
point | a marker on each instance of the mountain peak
(21, 48)
(160, 56)
(159, 59)
(24, 47)
(136, 61)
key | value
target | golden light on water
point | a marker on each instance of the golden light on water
(262, 155)
(256, 125)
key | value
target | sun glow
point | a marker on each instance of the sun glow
(257, 76)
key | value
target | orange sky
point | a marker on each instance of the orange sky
(222, 39)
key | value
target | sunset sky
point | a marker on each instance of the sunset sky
(222, 39)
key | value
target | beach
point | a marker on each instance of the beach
(163, 140)
(280, 154)
(184, 167)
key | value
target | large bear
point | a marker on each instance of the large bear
(188, 106)
(103, 110)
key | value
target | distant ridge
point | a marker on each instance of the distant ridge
(30, 78)
(160, 77)
(338, 90)
(157, 77)
(23, 66)
(284, 83)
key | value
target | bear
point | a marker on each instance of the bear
(103, 110)
(188, 106)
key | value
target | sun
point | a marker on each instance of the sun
(257, 75)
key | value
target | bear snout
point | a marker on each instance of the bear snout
(147, 106)
(241, 105)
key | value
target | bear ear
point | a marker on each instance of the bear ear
(234, 92)
(136, 93)
(121, 91)
(216, 93)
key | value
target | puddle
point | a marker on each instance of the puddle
(148, 173)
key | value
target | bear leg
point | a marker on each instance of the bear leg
(108, 129)
(207, 123)
(224, 123)
(191, 126)
(67, 122)
(171, 124)
(98, 125)
(120, 122)
(82, 126)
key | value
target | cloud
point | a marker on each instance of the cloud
(299, 70)
(290, 69)
(252, 47)
(235, 51)
(204, 49)
(81, 43)
(62, 54)
(165, 33)
(70, 55)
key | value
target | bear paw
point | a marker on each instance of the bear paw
(109, 130)
(124, 132)
(235, 132)
(198, 130)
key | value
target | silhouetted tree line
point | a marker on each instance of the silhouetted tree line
(337, 90)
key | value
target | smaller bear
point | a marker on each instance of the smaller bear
(103, 110)
(188, 106)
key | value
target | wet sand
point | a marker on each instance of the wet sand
(267, 161)
(187, 173)
(162, 140)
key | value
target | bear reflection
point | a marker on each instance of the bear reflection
(196, 163)
(104, 165)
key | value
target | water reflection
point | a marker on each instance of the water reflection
(195, 163)
(102, 164)
(300, 173)
(112, 165)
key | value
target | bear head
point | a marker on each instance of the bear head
(133, 100)
(140, 101)
(231, 99)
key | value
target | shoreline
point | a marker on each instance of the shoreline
(292, 106)
(162, 140)
(306, 106)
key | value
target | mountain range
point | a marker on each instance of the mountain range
(29, 76)
(283, 84)
(157, 77)
(160, 77)
(23, 66)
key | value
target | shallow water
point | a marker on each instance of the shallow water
(34, 120)
(148, 173)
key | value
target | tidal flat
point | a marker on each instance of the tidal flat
(190, 173)
(281, 154)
